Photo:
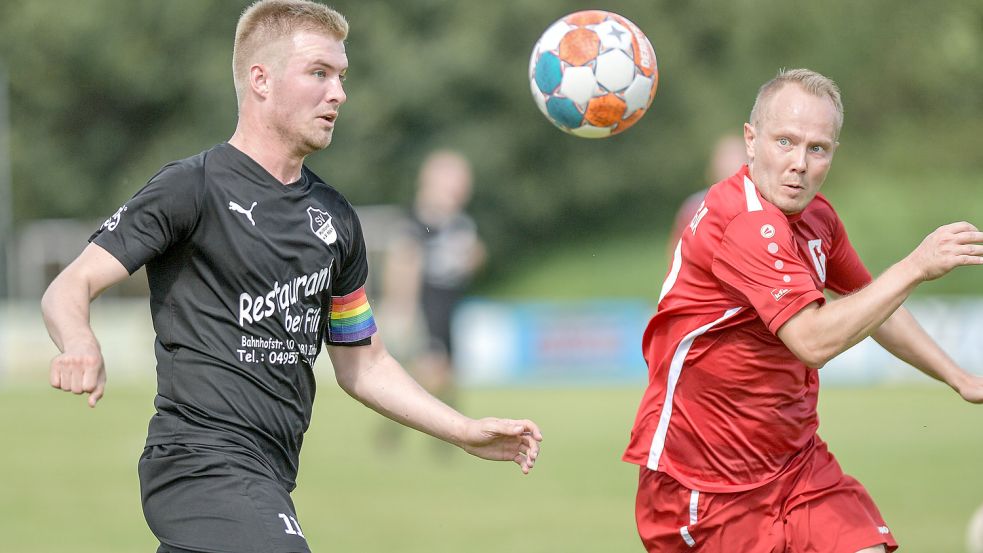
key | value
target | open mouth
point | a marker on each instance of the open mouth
(329, 117)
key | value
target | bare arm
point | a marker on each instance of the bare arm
(907, 340)
(817, 334)
(65, 308)
(375, 378)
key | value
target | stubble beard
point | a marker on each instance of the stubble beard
(304, 141)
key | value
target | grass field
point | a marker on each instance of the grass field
(68, 479)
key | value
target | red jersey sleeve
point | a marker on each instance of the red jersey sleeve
(757, 259)
(846, 273)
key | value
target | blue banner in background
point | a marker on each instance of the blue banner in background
(599, 342)
(548, 342)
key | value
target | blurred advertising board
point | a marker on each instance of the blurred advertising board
(504, 343)
(599, 342)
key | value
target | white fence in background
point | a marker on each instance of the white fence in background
(589, 342)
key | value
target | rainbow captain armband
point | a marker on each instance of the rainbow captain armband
(351, 318)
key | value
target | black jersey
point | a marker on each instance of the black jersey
(247, 277)
(448, 250)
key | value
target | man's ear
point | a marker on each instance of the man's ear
(259, 80)
(749, 133)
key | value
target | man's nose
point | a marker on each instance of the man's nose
(799, 159)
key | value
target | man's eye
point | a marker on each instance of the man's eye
(320, 74)
(784, 142)
(818, 149)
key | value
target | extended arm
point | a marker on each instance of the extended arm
(65, 306)
(907, 340)
(375, 378)
(817, 334)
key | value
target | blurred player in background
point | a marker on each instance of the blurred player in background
(428, 270)
(728, 154)
(432, 264)
(253, 261)
(726, 431)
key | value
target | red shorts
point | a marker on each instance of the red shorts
(812, 507)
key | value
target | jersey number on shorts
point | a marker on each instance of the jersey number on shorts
(293, 527)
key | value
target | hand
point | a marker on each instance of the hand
(503, 440)
(971, 388)
(950, 246)
(80, 370)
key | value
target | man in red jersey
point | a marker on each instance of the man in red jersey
(726, 431)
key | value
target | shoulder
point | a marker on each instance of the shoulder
(820, 207)
(820, 215)
(734, 198)
(186, 173)
(327, 196)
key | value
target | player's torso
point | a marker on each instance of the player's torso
(257, 269)
(732, 379)
(448, 250)
(240, 308)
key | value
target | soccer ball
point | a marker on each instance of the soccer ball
(593, 73)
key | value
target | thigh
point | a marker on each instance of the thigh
(200, 499)
(671, 517)
(831, 511)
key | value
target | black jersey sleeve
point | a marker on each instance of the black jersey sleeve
(160, 214)
(351, 322)
(354, 269)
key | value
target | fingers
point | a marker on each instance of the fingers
(54, 374)
(524, 463)
(505, 440)
(528, 452)
(961, 226)
(512, 427)
(972, 237)
(970, 249)
(528, 444)
(79, 374)
(90, 378)
(98, 390)
(96, 395)
(532, 429)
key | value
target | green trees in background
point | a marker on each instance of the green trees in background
(104, 92)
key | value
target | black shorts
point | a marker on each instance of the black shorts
(203, 499)
(438, 307)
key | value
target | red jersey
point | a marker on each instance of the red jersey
(728, 405)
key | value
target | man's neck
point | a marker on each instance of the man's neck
(283, 165)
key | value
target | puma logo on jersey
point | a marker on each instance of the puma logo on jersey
(247, 212)
(818, 258)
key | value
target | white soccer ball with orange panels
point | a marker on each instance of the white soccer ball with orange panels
(593, 73)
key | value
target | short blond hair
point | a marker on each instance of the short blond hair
(267, 21)
(812, 82)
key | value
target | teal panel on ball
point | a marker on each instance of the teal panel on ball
(564, 112)
(548, 72)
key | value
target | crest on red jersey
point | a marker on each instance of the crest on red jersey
(818, 258)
